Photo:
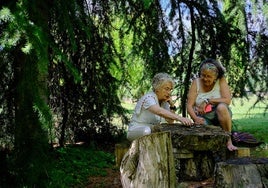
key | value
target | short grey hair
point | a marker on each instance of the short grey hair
(210, 66)
(217, 64)
(160, 78)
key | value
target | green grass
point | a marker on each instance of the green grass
(251, 120)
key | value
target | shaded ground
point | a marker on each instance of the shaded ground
(111, 180)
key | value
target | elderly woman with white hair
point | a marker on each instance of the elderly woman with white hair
(154, 107)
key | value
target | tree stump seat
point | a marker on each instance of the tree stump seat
(241, 152)
(149, 163)
(120, 150)
(242, 172)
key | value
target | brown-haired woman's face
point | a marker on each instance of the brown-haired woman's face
(208, 77)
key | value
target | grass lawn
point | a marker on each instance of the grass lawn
(251, 120)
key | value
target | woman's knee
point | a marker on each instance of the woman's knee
(222, 108)
(223, 111)
(137, 132)
(147, 130)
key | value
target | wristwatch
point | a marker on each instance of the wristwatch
(206, 101)
(172, 108)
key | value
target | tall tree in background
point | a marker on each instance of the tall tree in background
(82, 31)
(29, 24)
(257, 34)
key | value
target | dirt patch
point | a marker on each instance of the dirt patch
(111, 180)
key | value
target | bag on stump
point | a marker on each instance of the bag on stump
(245, 139)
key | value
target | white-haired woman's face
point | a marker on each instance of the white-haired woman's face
(163, 92)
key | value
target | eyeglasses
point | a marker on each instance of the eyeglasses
(206, 76)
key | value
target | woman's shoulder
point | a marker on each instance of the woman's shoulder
(222, 80)
(150, 93)
(194, 81)
(145, 101)
(148, 96)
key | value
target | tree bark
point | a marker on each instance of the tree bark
(149, 163)
(196, 150)
(242, 172)
(31, 138)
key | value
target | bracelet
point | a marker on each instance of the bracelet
(172, 108)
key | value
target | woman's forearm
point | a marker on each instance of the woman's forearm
(191, 112)
(219, 100)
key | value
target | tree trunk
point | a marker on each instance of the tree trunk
(120, 150)
(149, 163)
(31, 136)
(31, 141)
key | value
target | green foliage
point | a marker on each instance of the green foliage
(28, 91)
(36, 44)
(147, 3)
(72, 166)
(129, 66)
(11, 35)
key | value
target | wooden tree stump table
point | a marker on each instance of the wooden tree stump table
(196, 150)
